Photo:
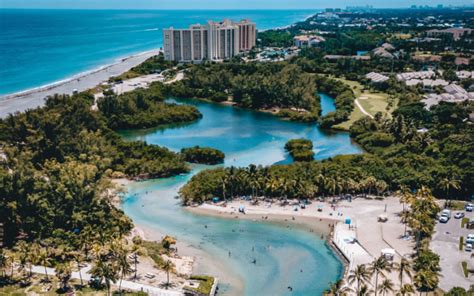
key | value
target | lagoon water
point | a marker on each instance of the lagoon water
(39, 47)
(285, 256)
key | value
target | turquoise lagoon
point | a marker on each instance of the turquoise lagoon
(286, 255)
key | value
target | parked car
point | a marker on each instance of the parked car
(468, 248)
(445, 216)
(469, 207)
(443, 219)
(470, 238)
(459, 215)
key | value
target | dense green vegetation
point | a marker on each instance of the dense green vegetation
(54, 173)
(357, 174)
(144, 108)
(300, 149)
(254, 85)
(399, 155)
(155, 64)
(343, 99)
(203, 155)
(441, 159)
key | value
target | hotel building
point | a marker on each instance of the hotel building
(213, 41)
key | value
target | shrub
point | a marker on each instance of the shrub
(205, 285)
(203, 155)
(461, 243)
(464, 268)
(300, 149)
(464, 221)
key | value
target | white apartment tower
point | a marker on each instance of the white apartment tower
(214, 41)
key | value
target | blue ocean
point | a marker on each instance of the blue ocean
(39, 47)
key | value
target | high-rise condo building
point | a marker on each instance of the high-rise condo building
(213, 41)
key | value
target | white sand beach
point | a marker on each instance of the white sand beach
(189, 259)
(35, 97)
(371, 236)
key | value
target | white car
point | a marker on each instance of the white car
(469, 207)
(468, 248)
(443, 219)
(470, 238)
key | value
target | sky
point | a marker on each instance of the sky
(219, 4)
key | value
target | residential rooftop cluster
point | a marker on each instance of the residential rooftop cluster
(305, 41)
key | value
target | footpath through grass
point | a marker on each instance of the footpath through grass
(372, 102)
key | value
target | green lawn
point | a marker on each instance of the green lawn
(372, 102)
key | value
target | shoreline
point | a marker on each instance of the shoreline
(30, 98)
(281, 215)
(34, 97)
(371, 236)
(202, 262)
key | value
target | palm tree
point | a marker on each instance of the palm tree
(403, 268)
(386, 287)
(320, 180)
(224, 180)
(370, 183)
(406, 289)
(167, 266)
(33, 256)
(78, 258)
(63, 273)
(338, 289)
(446, 184)
(426, 280)
(122, 264)
(43, 259)
(255, 184)
(405, 217)
(380, 187)
(273, 185)
(106, 271)
(136, 248)
(359, 275)
(378, 267)
(331, 186)
(22, 249)
(365, 290)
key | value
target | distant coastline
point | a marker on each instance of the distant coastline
(80, 75)
(112, 61)
(34, 97)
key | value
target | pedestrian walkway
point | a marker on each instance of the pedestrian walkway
(134, 286)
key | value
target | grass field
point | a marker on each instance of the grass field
(371, 102)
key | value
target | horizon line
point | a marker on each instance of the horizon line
(242, 9)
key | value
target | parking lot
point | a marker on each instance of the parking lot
(446, 243)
